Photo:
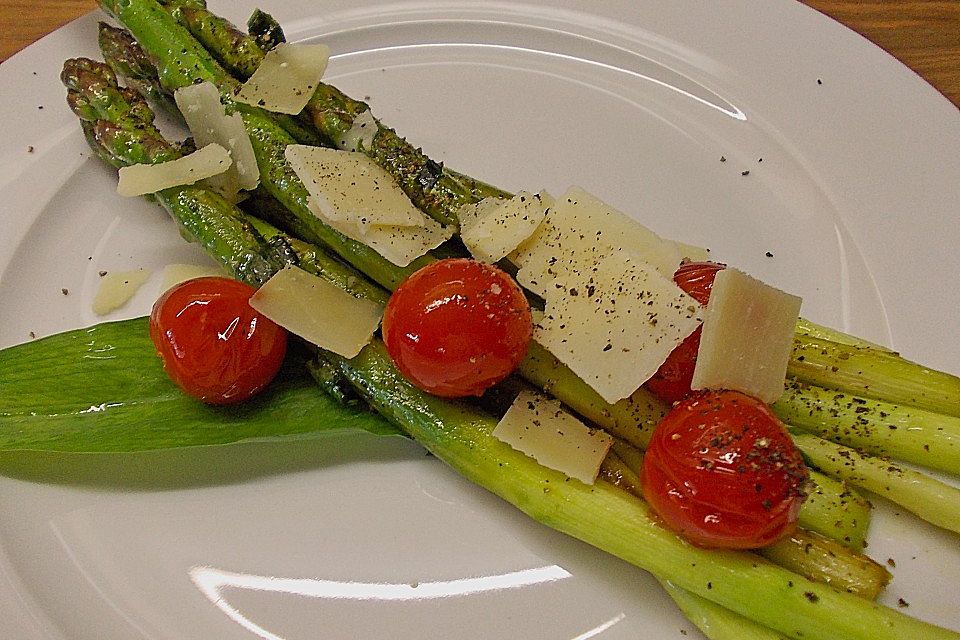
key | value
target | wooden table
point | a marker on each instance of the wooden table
(923, 34)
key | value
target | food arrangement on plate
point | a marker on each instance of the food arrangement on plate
(612, 384)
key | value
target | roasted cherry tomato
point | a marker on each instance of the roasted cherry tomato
(672, 380)
(457, 326)
(213, 344)
(722, 471)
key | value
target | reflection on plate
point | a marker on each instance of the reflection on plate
(761, 132)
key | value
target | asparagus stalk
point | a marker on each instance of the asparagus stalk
(935, 501)
(836, 510)
(716, 622)
(129, 61)
(812, 329)
(872, 373)
(928, 439)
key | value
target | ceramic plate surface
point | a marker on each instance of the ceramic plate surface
(789, 146)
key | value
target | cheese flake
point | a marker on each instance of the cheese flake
(354, 195)
(747, 337)
(117, 288)
(539, 427)
(141, 179)
(494, 227)
(360, 134)
(615, 323)
(318, 311)
(578, 230)
(286, 78)
(208, 123)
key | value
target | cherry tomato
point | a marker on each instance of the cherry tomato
(722, 471)
(457, 326)
(672, 380)
(213, 344)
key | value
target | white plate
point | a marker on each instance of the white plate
(353, 537)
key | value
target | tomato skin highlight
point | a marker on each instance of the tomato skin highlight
(213, 344)
(457, 327)
(672, 380)
(722, 471)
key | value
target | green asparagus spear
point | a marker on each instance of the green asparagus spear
(814, 330)
(935, 501)
(928, 439)
(716, 622)
(871, 373)
(127, 59)
(240, 53)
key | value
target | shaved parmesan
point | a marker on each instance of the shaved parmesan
(209, 123)
(580, 229)
(748, 331)
(354, 195)
(494, 227)
(538, 426)
(318, 311)
(286, 78)
(141, 179)
(361, 133)
(116, 288)
(615, 323)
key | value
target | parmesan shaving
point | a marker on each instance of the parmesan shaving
(286, 78)
(748, 331)
(354, 195)
(117, 288)
(141, 179)
(578, 230)
(318, 311)
(494, 227)
(539, 427)
(615, 323)
(209, 123)
(361, 133)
